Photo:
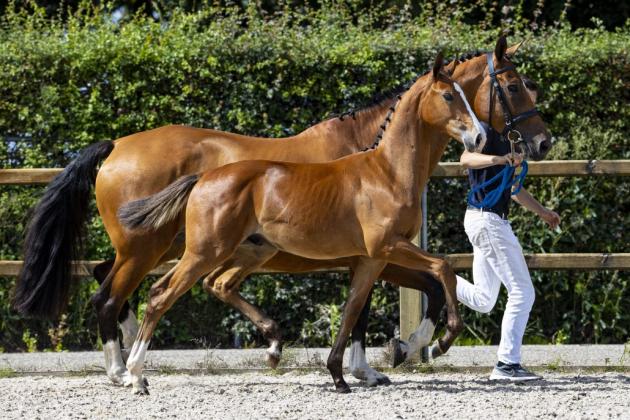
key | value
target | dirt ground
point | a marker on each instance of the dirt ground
(310, 395)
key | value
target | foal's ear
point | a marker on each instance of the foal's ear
(438, 65)
(512, 50)
(501, 47)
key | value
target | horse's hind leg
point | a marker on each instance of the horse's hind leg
(124, 277)
(163, 295)
(225, 282)
(126, 317)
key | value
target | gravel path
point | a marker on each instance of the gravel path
(310, 395)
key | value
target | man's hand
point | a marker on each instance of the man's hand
(551, 218)
(507, 159)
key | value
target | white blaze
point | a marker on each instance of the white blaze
(472, 115)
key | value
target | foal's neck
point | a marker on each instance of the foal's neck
(405, 150)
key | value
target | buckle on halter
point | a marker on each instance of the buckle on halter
(514, 136)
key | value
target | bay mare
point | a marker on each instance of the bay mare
(145, 163)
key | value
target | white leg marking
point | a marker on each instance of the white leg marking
(421, 337)
(135, 364)
(129, 328)
(114, 365)
(274, 349)
(360, 369)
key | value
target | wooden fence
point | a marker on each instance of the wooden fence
(410, 300)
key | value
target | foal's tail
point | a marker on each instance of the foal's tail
(54, 236)
(154, 211)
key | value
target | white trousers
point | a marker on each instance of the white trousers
(498, 258)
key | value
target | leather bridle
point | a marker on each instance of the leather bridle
(509, 131)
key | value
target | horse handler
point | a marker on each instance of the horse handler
(498, 256)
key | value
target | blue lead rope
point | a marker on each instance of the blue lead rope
(508, 180)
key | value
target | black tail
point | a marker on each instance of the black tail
(154, 211)
(54, 236)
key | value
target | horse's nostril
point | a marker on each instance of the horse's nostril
(545, 146)
(478, 140)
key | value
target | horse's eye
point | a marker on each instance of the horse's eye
(448, 96)
(513, 88)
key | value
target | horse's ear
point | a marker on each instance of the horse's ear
(501, 47)
(450, 67)
(512, 50)
(438, 65)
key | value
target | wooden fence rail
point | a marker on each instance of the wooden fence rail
(444, 170)
(591, 261)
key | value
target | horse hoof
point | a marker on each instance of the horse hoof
(396, 354)
(145, 381)
(141, 391)
(273, 360)
(384, 380)
(436, 350)
(343, 389)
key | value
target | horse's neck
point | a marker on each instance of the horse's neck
(405, 150)
(350, 134)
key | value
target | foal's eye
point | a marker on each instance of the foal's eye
(448, 96)
(513, 88)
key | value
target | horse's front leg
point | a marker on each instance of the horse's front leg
(432, 287)
(365, 273)
(359, 367)
(403, 252)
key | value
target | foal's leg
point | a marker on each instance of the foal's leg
(225, 282)
(365, 273)
(163, 295)
(359, 367)
(425, 282)
(403, 252)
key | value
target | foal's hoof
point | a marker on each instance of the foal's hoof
(436, 350)
(273, 359)
(397, 356)
(141, 391)
(342, 389)
(384, 380)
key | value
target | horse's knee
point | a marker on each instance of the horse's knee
(208, 285)
(158, 300)
(443, 270)
(270, 329)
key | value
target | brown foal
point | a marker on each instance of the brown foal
(365, 205)
(147, 162)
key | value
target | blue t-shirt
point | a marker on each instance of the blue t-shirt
(495, 147)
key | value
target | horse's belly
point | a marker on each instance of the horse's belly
(320, 244)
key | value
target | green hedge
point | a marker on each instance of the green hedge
(64, 86)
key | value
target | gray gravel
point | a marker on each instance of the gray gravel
(310, 395)
(566, 356)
